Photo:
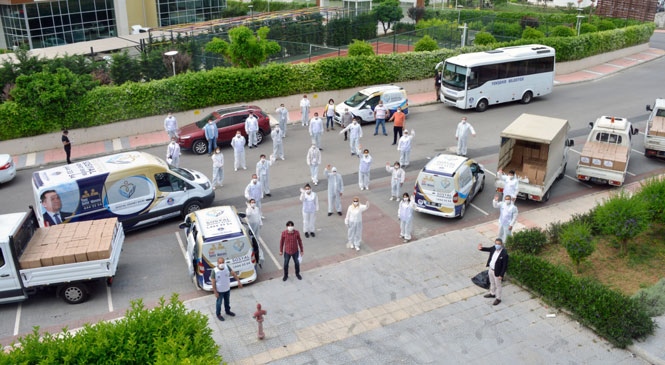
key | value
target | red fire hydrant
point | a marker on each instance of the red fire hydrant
(258, 315)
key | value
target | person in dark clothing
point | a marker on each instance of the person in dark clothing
(67, 145)
(498, 264)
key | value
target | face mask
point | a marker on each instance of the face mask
(254, 181)
(221, 266)
(253, 205)
(405, 199)
(290, 229)
(498, 247)
(356, 203)
(366, 155)
(512, 177)
(308, 191)
(263, 160)
(396, 167)
(508, 202)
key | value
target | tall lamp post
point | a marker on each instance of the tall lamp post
(251, 11)
(172, 54)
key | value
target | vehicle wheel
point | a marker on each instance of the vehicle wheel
(191, 207)
(546, 197)
(482, 185)
(563, 172)
(76, 293)
(200, 147)
(259, 137)
(481, 106)
(461, 213)
(527, 97)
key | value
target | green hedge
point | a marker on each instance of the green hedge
(168, 334)
(193, 90)
(613, 315)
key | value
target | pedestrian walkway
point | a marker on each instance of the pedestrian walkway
(83, 150)
(415, 304)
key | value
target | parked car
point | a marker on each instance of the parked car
(447, 185)
(229, 120)
(362, 103)
(7, 168)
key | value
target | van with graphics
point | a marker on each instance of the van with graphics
(362, 103)
(136, 187)
(447, 185)
(220, 232)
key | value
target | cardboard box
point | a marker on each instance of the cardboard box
(518, 155)
(29, 261)
(69, 258)
(544, 151)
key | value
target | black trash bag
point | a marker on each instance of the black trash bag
(482, 280)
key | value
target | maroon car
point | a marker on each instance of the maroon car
(229, 120)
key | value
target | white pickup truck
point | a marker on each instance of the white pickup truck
(606, 153)
(65, 256)
(536, 148)
(654, 136)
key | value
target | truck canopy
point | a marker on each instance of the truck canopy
(535, 128)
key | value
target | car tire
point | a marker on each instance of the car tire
(463, 211)
(546, 197)
(74, 293)
(200, 147)
(482, 185)
(191, 207)
(563, 172)
(260, 136)
(481, 106)
(527, 97)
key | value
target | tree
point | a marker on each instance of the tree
(532, 33)
(576, 237)
(245, 49)
(426, 43)
(388, 12)
(623, 217)
(415, 13)
(484, 38)
(124, 68)
(360, 48)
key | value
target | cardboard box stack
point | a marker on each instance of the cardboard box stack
(529, 161)
(70, 243)
(604, 155)
(657, 127)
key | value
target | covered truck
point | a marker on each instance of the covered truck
(606, 153)
(654, 135)
(65, 257)
(536, 148)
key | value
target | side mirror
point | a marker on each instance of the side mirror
(570, 143)
(590, 124)
(649, 108)
(635, 131)
(368, 107)
(183, 225)
(242, 215)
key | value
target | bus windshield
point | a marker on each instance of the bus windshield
(454, 76)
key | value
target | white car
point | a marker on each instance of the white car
(7, 168)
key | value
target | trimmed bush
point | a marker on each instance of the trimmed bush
(587, 28)
(167, 334)
(532, 33)
(623, 218)
(483, 38)
(360, 48)
(578, 241)
(426, 43)
(611, 314)
(562, 31)
(652, 192)
(531, 241)
(605, 25)
(652, 298)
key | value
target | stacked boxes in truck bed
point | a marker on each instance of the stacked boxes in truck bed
(657, 127)
(529, 160)
(604, 155)
(70, 243)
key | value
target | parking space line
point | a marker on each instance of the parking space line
(578, 152)
(490, 172)
(109, 298)
(17, 321)
(636, 151)
(478, 208)
(266, 249)
(630, 173)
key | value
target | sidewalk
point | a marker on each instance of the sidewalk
(89, 150)
(415, 304)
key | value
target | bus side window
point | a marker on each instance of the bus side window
(472, 80)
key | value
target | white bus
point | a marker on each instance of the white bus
(477, 80)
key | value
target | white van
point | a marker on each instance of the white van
(136, 187)
(220, 232)
(447, 185)
(362, 103)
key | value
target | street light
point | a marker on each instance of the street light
(172, 55)
(251, 11)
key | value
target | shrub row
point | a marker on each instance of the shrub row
(167, 334)
(613, 315)
(107, 104)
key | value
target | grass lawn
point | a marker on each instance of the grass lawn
(643, 266)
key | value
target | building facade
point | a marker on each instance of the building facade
(46, 23)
